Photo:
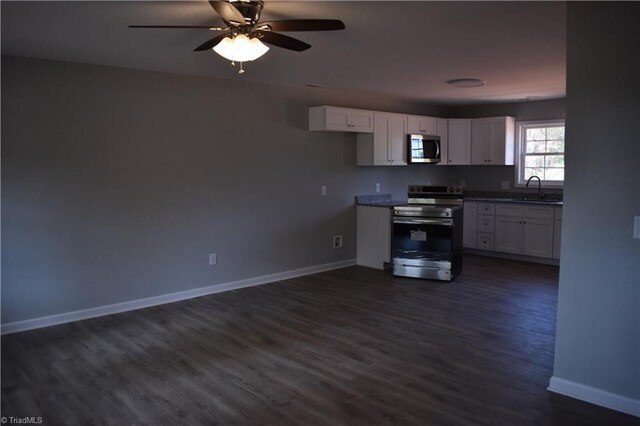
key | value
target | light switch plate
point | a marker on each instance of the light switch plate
(636, 227)
(504, 184)
(323, 190)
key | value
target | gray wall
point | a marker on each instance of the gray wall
(598, 332)
(116, 184)
(488, 178)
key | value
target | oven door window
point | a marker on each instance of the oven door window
(422, 241)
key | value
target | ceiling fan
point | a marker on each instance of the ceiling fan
(243, 36)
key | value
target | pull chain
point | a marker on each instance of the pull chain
(241, 71)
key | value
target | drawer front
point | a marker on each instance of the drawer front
(485, 241)
(538, 212)
(486, 208)
(486, 223)
(557, 213)
(511, 210)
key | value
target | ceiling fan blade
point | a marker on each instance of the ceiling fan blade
(208, 27)
(305, 25)
(227, 11)
(210, 44)
(283, 41)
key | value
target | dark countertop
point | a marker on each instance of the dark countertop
(387, 203)
(378, 200)
(557, 203)
(384, 200)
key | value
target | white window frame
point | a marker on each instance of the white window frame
(521, 128)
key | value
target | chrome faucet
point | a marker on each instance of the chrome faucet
(540, 194)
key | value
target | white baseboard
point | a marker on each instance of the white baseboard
(30, 324)
(595, 396)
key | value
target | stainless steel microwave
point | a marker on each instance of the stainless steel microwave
(423, 149)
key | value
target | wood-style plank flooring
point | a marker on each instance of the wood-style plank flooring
(354, 346)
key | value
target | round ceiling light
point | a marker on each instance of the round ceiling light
(466, 82)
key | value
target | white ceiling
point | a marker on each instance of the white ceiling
(404, 49)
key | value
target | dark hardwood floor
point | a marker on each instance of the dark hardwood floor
(348, 347)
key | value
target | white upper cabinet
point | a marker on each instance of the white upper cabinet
(443, 132)
(387, 145)
(422, 125)
(492, 141)
(459, 143)
(335, 119)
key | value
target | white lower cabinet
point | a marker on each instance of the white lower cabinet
(470, 224)
(557, 232)
(508, 235)
(521, 229)
(524, 230)
(374, 236)
(537, 237)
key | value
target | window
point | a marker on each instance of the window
(541, 152)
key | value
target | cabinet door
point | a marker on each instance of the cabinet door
(443, 132)
(537, 238)
(413, 124)
(422, 125)
(508, 235)
(337, 119)
(381, 151)
(480, 144)
(496, 142)
(459, 151)
(429, 125)
(360, 121)
(501, 141)
(470, 224)
(557, 234)
(397, 139)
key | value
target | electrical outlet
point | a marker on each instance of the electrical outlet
(323, 190)
(213, 259)
(337, 241)
(463, 183)
(377, 187)
(504, 184)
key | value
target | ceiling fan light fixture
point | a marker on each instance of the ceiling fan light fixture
(241, 48)
(466, 82)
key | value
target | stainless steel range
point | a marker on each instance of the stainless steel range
(427, 233)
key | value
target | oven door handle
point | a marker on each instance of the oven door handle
(423, 221)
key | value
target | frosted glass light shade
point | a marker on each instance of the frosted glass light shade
(240, 48)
